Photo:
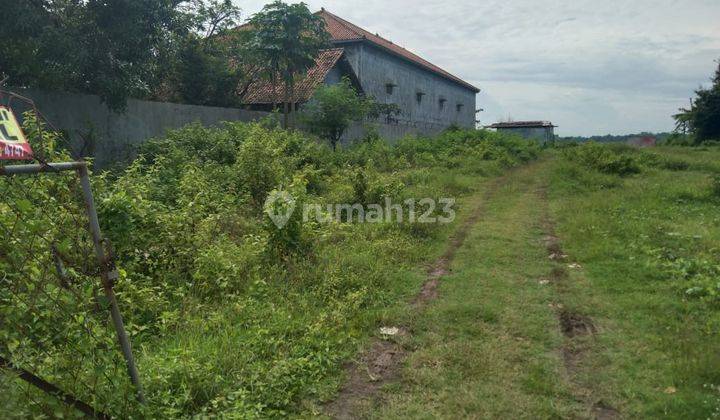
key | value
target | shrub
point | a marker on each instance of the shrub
(610, 159)
(224, 266)
(283, 220)
(576, 178)
(672, 164)
(261, 163)
(678, 139)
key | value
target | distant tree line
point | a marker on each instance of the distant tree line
(609, 138)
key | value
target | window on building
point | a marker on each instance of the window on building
(459, 107)
(419, 96)
(389, 87)
(441, 103)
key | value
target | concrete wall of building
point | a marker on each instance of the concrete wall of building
(333, 76)
(376, 68)
(109, 137)
(391, 131)
(543, 134)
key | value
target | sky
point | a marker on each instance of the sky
(592, 67)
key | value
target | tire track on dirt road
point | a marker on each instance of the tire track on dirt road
(381, 363)
(573, 325)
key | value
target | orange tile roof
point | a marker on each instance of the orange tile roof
(261, 91)
(341, 30)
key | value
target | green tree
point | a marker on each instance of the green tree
(702, 120)
(286, 40)
(102, 47)
(199, 62)
(334, 107)
(161, 49)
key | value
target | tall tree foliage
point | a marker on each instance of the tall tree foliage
(286, 39)
(702, 119)
(199, 65)
(165, 49)
(104, 47)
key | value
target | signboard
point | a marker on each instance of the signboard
(13, 144)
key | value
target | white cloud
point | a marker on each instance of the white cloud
(591, 67)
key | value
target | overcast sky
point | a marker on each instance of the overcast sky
(589, 66)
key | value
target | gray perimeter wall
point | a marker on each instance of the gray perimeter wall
(110, 137)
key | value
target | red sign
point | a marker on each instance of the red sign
(13, 144)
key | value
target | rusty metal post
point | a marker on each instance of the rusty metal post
(51, 389)
(108, 278)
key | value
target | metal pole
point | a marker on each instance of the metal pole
(107, 281)
(46, 386)
(38, 168)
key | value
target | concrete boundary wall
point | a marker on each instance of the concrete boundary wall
(110, 137)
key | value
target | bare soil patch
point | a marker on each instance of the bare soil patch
(573, 324)
(380, 364)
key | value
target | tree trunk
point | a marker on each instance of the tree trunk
(293, 104)
(272, 80)
(286, 103)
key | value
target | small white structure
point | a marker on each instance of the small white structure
(540, 130)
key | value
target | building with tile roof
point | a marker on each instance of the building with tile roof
(429, 97)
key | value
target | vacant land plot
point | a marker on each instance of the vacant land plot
(576, 282)
(588, 289)
(229, 313)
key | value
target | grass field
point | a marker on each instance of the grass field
(230, 315)
(576, 282)
(578, 294)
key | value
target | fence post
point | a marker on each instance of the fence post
(107, 280)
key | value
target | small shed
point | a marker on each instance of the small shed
(540, 130)
(642, 141)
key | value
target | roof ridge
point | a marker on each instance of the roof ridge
(362, 33)
(348, 25)
(392, 47)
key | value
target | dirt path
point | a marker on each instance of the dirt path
(576, 327)
(517, 309)
(382, 362)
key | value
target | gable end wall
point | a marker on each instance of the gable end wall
(376, 68)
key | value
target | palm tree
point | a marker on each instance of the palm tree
(287, 39)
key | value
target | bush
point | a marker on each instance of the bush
(576, 178)
(672, 164)
(283, 221)
(609, 159)
(678, 139)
